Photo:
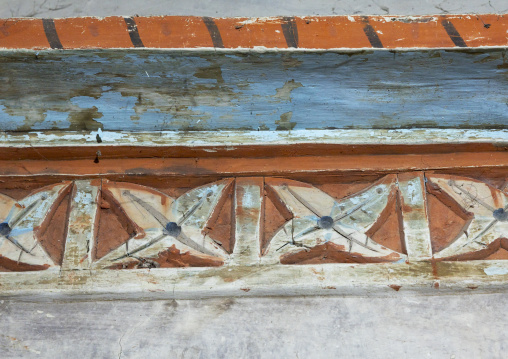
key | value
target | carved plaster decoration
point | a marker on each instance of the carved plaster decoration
(22, 223)
(163, 222)
(250, 221)
(484, 213)
(318, 219)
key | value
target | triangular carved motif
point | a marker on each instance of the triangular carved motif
(482, 207)
(220, 226)
(113, 228)
(167, 228)
(388, 229)
(319, 219)
(23, 224)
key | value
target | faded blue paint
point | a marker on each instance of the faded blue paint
(9, 122)
(150, 90)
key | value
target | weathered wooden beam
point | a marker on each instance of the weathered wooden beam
(254, 166)
(353, 225)
(122, 90)
(239, 281)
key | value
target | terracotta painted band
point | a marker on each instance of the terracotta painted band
(313, 32)
(268, 166)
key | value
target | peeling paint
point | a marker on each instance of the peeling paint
(285, 124)
(495, 270)
(284, 92)
(231, 138)
(85, 91)
(414, 192)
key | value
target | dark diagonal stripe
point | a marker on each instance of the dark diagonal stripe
(371, 35)
(290, 31)
(51, 35)
(214, 32)
(453, 33)
(133, 32)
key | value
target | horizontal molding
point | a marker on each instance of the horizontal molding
(278, 235)
(142, 91)
(415, 136)
(196, 283)
(252, 166)
(310, 32)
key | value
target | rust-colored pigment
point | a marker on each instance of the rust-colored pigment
(220, 227)
(114, 227)
(330, 253)
(53, 233)
(8, 265)
(388, 229)
(172, 258)
(307, 32)
(496, 250)
(275, 215)
(447, 219)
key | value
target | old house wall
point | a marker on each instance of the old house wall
(384, 323)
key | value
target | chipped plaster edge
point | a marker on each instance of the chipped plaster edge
(345, 279)
(236, 138)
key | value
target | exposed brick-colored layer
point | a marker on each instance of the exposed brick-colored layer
(325, 32)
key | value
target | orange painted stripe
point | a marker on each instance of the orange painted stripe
(173, 32)
(23, 34)
(476, 30)
(246, 33)
(426, 31)
(89, 33)
(312, 32)
(332, 32)
(269, 166)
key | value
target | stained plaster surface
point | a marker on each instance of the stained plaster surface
(400, 326)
